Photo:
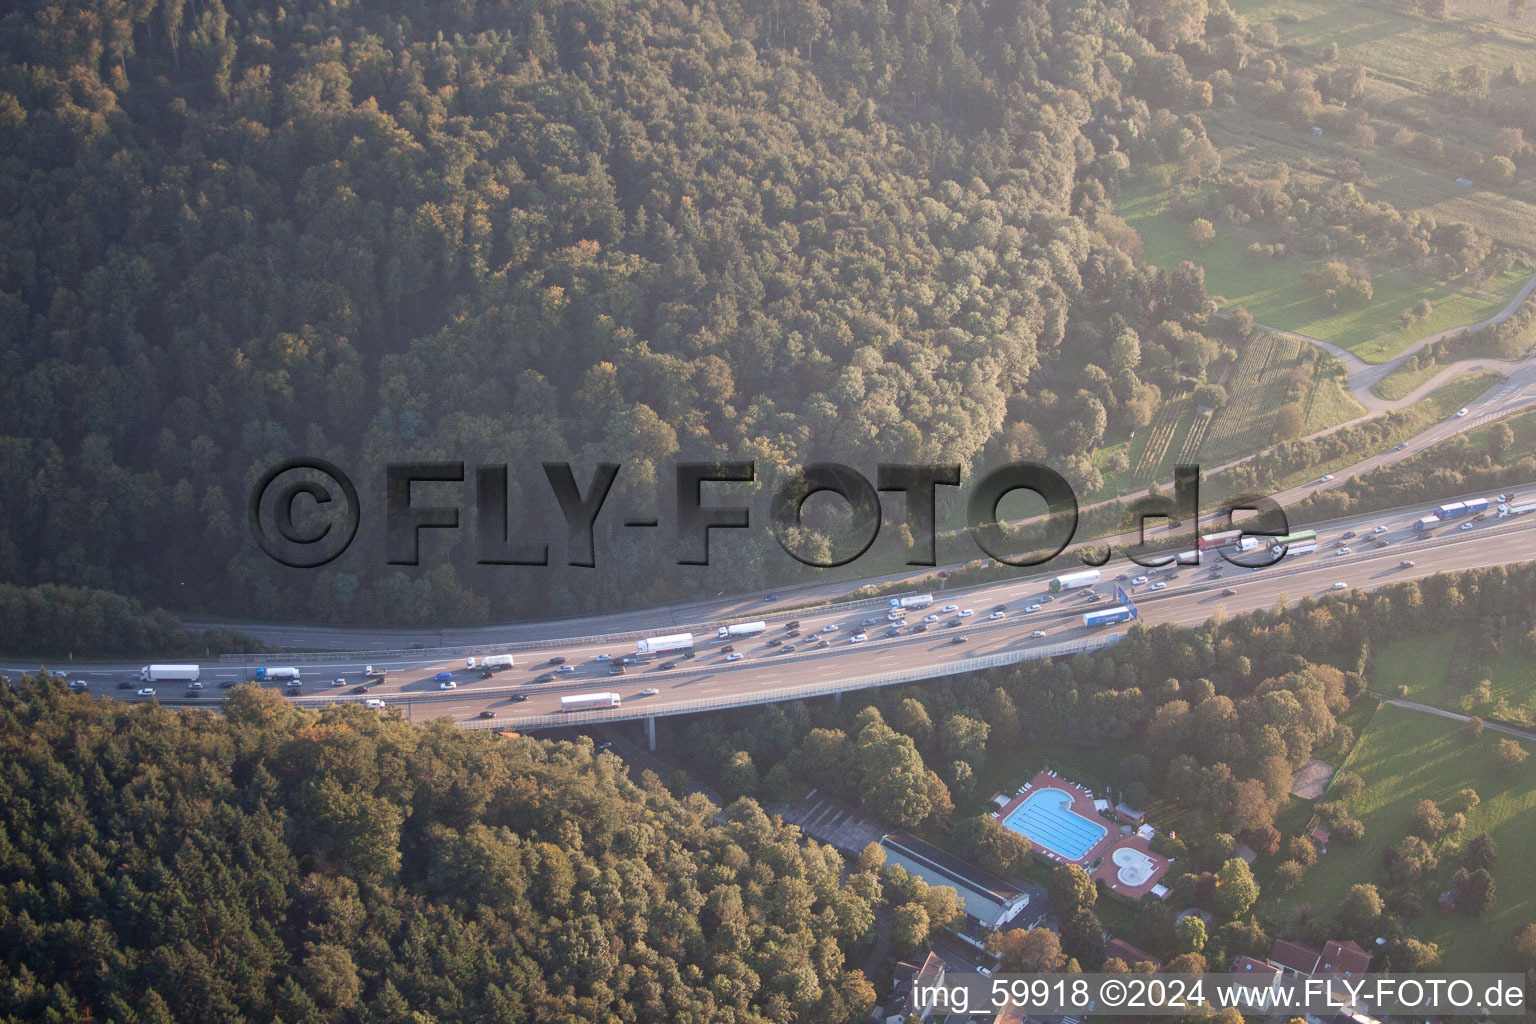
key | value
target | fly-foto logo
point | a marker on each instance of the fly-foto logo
(305, 513)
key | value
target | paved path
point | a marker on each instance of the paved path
(1363, 375)
(1430, 709)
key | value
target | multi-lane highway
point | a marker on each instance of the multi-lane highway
(709, 679)
(1515, 394)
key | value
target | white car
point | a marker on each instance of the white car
(449, 685)
(191, 686)
(1038, 633)
(997, 615)
(649, 691)
(830, 627)
(334, 683)
(734, 656)
(1341, 586)
(1327, 478)
(857, 638)
(1381, 529)
(148, 691)
(1344, 550)
(1137, 581)
(1159, 585)
(1032, 608)
(930, 618)
(373, 702)
(966, 613)
(1460, 413)
(566, 668)
(1467, 526)
(603, 657)
(896, 616)
(951, 608)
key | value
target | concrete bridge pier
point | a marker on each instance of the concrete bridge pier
(650, 731)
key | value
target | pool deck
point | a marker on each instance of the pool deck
(1100, 853)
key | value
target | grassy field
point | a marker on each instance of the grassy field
(1407, 756)
(1401, 381)
(1278, 294)
(1418, 663)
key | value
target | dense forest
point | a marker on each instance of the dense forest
(271, 864)
(1210, 722)
(239, 232)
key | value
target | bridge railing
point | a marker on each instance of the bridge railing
(704, 629)
(781, 693)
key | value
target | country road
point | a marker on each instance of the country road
(1430, 709)
(1363, 376)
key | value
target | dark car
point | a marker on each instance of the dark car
(792, 624)
(557, 660)
(518, 698)
(228, 684)
(690, 653)
(549, 677)
(952, 623)
(771, 597)
(1228, 592)
(958, 639)
(359, 689)
(617, 670)
(487, 713)
(293, 691)
(125, 685)
(787, 649)
(820, 645)
(666, 665)
(1347, 534)
(893, 631)
(1382, 543)
(727, 649)
(999, 607)
(193, 694)
(775, 642)
(921, 627)
(486, 673)
(792, 632)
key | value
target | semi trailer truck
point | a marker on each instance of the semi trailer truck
(663, 644)
(168, 674)
(589, 701)
(1074, 580)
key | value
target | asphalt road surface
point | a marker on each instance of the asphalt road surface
(1192, 596)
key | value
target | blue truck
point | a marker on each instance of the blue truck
(1457, 509)
(1108, 616)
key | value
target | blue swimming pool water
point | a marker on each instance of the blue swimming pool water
(1046, 816)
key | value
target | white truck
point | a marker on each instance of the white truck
(741, 629)
(588, 701)
(496, 661)
(168, 674)
(908, 603)
(662, 644)
(1074, 580)
(1506, 510)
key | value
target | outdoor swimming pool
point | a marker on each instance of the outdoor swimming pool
(1046, 817)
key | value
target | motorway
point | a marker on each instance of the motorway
(1193, 596)
(1516, 394)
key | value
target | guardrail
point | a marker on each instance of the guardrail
(706, 629)
(767, 696)
(779, 613)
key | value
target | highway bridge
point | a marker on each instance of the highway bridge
(517, 700)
